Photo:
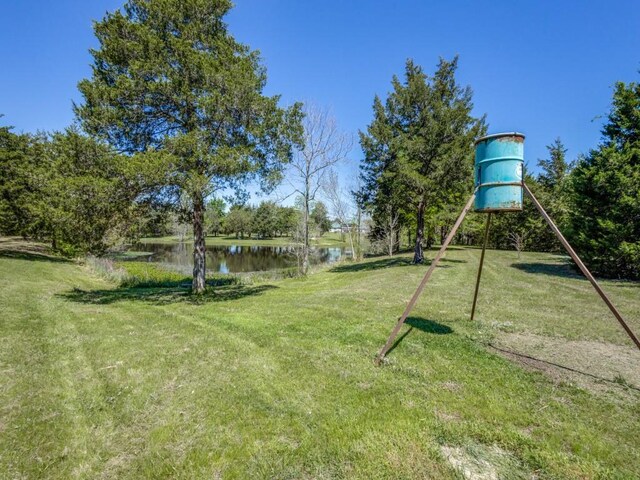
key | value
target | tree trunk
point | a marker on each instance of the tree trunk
(353, 252)
(390, 236)
(418, 255)
(305, 246)
(199, 267)
(444, 231)
(358, 237)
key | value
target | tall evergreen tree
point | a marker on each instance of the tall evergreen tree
(16, 182)
(264, 221)
(382, 193)
(555, 168)
(419, 148)
(552, 190)
(169, 77)
(605, 200)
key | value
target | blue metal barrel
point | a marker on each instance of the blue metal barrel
(498, 170)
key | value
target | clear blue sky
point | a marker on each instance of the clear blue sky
(544, 68)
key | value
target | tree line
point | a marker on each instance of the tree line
(266, 220)
(174, 114)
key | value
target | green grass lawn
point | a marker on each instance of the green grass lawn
(327, 240)
(276, 379)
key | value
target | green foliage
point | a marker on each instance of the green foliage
(320, 217)
(71, 190)
(605, 199)
(418, 149)
(555, 168)
(527, 224)
(287, 220)
(214, 216)
(264, 220)
(16, 182)
(169, 80)
(434, 130)
(154, 221)
(382, 193)
(88, 196)
(554, 193)
(238, 221)
(149, 275)
(169, 75)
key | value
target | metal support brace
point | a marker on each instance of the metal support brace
(438, 257)
(484, 247)
(434, 263)
(582, 267)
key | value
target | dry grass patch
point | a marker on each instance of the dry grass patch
(601, 367)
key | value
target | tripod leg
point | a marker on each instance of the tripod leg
(582, 267)
(484, 247)
(424, 281)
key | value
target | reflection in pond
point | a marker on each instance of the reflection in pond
(233, 259)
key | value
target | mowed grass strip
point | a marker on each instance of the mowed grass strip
(278, 381)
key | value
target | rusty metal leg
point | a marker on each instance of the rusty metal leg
(582, 267)
(484, 247)
(424, 281)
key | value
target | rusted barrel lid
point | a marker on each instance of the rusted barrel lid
(515, 136)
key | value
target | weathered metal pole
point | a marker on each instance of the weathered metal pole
(405, 314)
(484, 247)
(582, 266)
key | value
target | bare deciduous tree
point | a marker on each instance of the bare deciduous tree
(389, 230)
(324, 145)
(180, 230)
(517, 240)
(343, 206)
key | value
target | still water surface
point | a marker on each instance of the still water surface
(233, 259)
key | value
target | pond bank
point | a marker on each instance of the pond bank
(232, 258)
(327, 240)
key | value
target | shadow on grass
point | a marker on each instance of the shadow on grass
(540, 364)
(568, 269)
(387, 263)
(31, 256)
(563, 269)
(184, 282)
(452, 260)
(428, 326)
(165, 294)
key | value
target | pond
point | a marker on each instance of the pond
(233, 258)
